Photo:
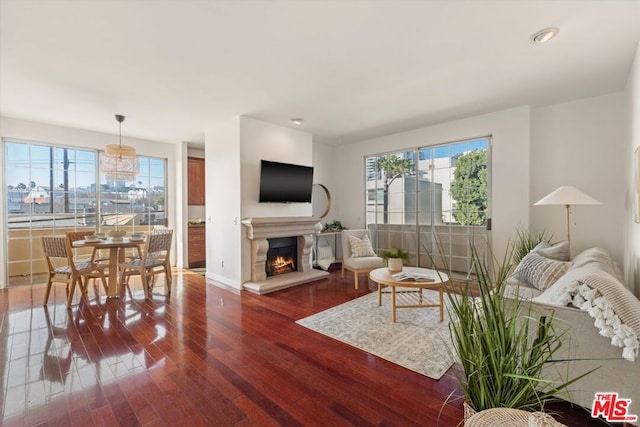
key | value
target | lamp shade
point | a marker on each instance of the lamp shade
(567, 195)
(119, 162)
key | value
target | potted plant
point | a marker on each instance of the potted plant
(394, 258)
(501, 345)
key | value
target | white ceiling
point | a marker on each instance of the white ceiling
(352, 69)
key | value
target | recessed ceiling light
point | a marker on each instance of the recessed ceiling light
(297, 121)
(545, 35)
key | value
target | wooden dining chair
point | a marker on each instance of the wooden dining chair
(80, 235)
(154, 260)
(63, 268)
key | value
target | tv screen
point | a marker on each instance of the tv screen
(285, 183)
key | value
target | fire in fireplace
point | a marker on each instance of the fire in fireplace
(281, 256)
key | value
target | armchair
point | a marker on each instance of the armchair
(358, 264)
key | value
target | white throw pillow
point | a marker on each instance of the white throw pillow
(559, 251)
(361, 247)
(539, 271)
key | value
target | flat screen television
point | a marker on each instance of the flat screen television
(285, 183)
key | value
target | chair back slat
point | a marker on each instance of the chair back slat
(55, 247)
(79, 235)
(159, 242)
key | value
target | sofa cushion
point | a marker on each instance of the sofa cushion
(361, 247)
(515, 288)
(539, 271)
(597, 258)
(367, 262)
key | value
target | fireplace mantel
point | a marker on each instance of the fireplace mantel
(268, 227)
(258, 230)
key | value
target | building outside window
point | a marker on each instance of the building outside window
(435, 208)
(54, 189)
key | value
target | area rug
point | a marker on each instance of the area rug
(418, 340)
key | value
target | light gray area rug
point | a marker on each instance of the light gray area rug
(418, 340)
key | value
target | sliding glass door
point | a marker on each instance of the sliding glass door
(431, 201)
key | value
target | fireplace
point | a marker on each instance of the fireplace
(268, 234)
(281, 256)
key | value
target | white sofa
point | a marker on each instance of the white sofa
(590, 278)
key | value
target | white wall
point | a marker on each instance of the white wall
(632, 229)
(23, 130)
(582, 144)
(223, 203)
(324, 157)
(181, 233)
(265, 141)
(509, 177)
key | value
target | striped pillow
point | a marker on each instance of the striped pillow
(361, 247)
(539, 271)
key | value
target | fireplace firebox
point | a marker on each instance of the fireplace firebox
(281, 256)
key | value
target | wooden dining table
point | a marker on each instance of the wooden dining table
(116, 255)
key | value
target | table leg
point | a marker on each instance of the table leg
(379, 294)
(113, 273)
(393, 304)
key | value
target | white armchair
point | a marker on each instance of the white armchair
(360, 264)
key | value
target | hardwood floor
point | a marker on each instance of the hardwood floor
(203, 356)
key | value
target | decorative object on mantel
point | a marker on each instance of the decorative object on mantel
(567, 196)
(119, 162)
(327, 199)
(333, 227)
(394, 258)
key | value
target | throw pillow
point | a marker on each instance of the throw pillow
(559, 251)
(361, 247)
(539, 271)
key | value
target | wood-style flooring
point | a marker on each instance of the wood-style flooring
(204, 356)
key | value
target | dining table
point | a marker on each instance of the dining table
(117, 249)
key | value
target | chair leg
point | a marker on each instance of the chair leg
(72, 291)
(48, 291)
(168, 279)
(145, 283)
(84, 284)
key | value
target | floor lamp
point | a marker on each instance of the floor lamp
(567, 196)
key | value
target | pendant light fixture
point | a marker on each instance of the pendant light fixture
(119, 162)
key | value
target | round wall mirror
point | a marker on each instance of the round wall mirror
(320, 200)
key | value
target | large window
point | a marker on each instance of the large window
(435, 207)
(53, 189)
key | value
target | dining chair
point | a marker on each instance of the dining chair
(63, 268)
(154, 259)
(80, 235)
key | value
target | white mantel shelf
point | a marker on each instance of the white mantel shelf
(272, 227)
(263, 228)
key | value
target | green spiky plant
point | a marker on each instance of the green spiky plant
(525, 241)
(501, 344)
(394, 253)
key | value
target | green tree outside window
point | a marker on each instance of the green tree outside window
(469, 188)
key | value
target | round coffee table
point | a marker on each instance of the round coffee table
(429, 279)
